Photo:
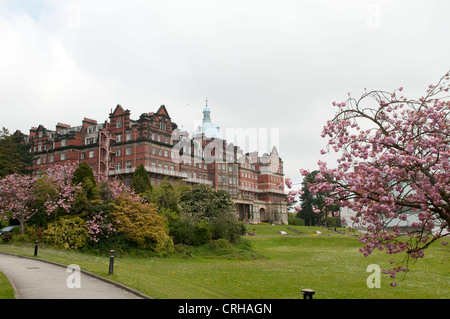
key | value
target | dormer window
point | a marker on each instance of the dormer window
(162, 125)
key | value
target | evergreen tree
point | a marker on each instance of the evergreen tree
(140, 182)
(85, 176)
(315, 210)
(14, 154)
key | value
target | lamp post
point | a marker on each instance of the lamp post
(111, 262)
(36, 245)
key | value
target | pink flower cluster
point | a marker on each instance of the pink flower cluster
(292, 193)
(113, 187)
(99, 227)
(63, 195)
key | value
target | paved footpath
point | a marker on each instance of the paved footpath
(37, 279)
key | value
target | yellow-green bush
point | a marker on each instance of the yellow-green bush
(67, 233)
(141, 223)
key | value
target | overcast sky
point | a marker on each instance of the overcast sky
(261, 64)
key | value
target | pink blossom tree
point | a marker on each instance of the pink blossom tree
(23, 196)
(17, 196)
(392, 169)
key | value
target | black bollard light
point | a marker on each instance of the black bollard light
(36, 245)
(111, 262)
(308, 293)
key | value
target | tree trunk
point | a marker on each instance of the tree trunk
(22, 226)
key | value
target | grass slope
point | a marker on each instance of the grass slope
(274, 267)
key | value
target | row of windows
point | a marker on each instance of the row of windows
(249, 175)
(197, 175)
(230, 167)
(235, 181)
(90, 154)
(51, 159)
(231, 180)
(93, 129)
(62, 157)
(94, 139)
(162, 124)
(156, 137)
(51, 135)
(276, 179)
(155, 151)
(160, 152)
(40, 147)
(249, 185)
(165, 166)
(127, 165)
(234, 192)
(199, 165)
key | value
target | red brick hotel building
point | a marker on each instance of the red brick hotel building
(168, 153)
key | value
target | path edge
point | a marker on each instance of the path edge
(13, 285)
(112, 282)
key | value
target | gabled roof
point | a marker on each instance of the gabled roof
(274, 150)
(119, 110)
(163, 111)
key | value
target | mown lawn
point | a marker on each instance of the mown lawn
(268, 265)
(6, 289)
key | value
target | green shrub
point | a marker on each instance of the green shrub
(227, 228)
(236, 230)
(184, 250)
(6, 238)
(116, 241)
(182, 231)
(222, 244)
(67, 233)
(295, 221)
(202, 234)
(333, 222)
(19, 238)
(34, 233)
